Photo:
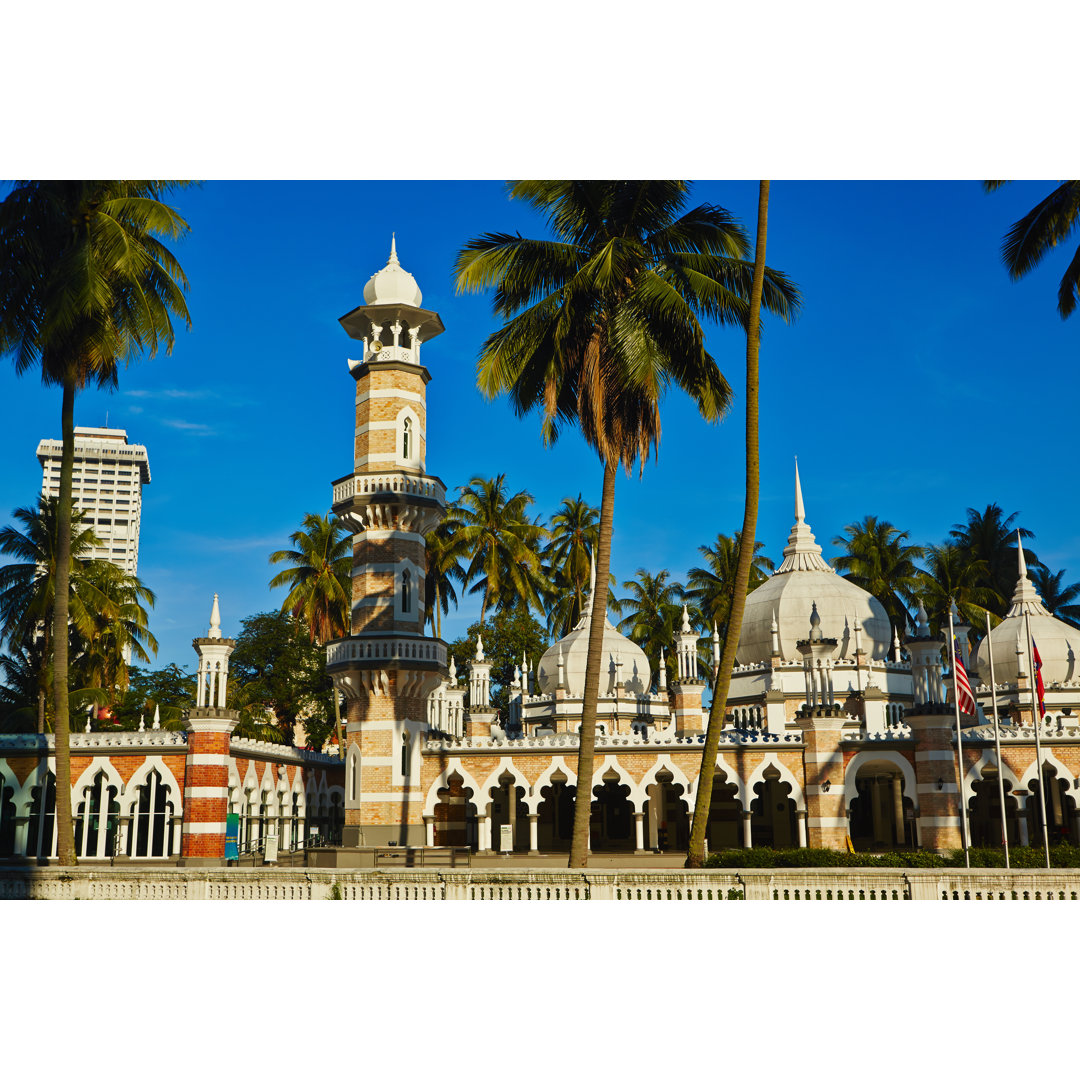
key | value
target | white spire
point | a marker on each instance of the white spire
(685, 620)
(215, 620)
(393, 260)
(896, 645)
(479, 649)
(1025, 600)
(802, 553)
(452, 670)
(157, 717)
(663, 670)
(923, 620)
(142, 722)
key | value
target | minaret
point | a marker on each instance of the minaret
(689, 688)
(209, 725)
(386, 667)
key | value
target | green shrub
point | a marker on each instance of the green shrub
(761, 858)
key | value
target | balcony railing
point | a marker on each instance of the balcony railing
(389, 483)
(385, 650)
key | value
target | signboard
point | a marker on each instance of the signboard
(506, 837)
(232, 836)
(270, 850)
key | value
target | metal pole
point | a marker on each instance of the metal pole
(1037, 717)
(997, 745)
(959, 754)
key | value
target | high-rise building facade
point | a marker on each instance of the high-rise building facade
(106, 484)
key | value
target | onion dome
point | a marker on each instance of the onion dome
(392, 284)
(624, 663)
(802, 580)
(1057, 642)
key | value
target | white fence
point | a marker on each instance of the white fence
(180, 883)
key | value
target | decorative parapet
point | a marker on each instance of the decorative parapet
(85, 740)
(383, 650)
(1051, 732)
(900, 733)
(389, 483)
(439, 744)
(278, 752)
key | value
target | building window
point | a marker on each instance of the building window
(406, 437)
(406, 592)
(404, 754)
(152, 820)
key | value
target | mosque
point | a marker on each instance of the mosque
(835, 731)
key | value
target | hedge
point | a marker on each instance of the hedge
(1020, 858)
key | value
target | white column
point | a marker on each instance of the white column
(639, 832)
(800, 821)
(1021, 815)
(86, 823)
(483, 837)
(747, 833)
(534, 843)
(429, 831)
(103, 818)
(898, 808)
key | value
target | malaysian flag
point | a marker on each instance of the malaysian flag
(964, 697)
(1039, 688)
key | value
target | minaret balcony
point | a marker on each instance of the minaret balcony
(388, 486)
(386, 652)
(389, 500)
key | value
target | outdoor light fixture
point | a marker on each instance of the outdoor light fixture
(825, 785)
(940, 784)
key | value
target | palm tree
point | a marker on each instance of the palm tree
(695, 857)
(952, 575)
(115, 602)
(445, 548)
(1059, 600)
(575, 529)
(988, 537)
(28, 587)
(1042, 228)
(502, 545)
(319, 580)
(652, 614)
(598, 323)
(85, 283)
(712, 587)
(877, 559)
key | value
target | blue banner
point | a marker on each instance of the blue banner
(232, 836)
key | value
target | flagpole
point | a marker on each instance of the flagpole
(997, 744)
(959, 754)
(1037, 718)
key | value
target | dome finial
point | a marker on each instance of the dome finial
(800, 510)
(802, 553)
(215, 620)
(815, 624)
(1020, 555)
(685, 620)
(393, 260)
(924, 621)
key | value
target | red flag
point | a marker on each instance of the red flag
(1039, 689)
(964, 697)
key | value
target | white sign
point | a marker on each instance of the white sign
(506, 837)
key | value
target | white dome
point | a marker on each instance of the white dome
(1057, 642)
(634, 675)
(392, 284)
(803, 579)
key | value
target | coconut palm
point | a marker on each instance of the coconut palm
(695, 857)
(877, 559)
(319, 580)
(1058, 599)
(575, 529)
(952, 575)
(990, 538)
(1044, 227)
(445, 548)
(115, 602)
(652, 615)
(85, 283)
(599, 322)
(28, 587)
(502, 545)
(712, 587)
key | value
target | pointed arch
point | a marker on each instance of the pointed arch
(140, 777)
(86, 779)
(637, 794)
(893, 757)
(506, 765)
(443, 781)
(664, 763)
(975, 773)
(771, 760)
(558, 764)
(1032, 771)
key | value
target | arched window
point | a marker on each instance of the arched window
(7, 818)
(97, 819)
(41, 838)
(404, 754)
(406, 592)
(152, 820)
(406, 437)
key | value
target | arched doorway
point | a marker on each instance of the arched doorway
(669, 823)
(1061, 816)
(452, 818)
(611, 821)
(984, 811)
(881, 816)
(555, 814)
(725, 828)
(508, 808)
(772, 812)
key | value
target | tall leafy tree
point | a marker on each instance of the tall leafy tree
(319, 579)
(502, 544)
(28, 586)
(988, 538)
(696, 854)
(952, 575)
(85, 284)
(575, 529)
(876, 559)
(599, 321)
(1059, 599)
(445, 548)
(652, 615)
(1042, 228)
(712, 587)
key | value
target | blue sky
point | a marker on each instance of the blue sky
(918, 381)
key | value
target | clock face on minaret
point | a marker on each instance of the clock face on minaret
(386, 667)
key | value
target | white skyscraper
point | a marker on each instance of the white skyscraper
(106, 484)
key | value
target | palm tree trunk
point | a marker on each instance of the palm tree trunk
(579, 844)
(438, 608)
(696, 856)
(65, 839)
